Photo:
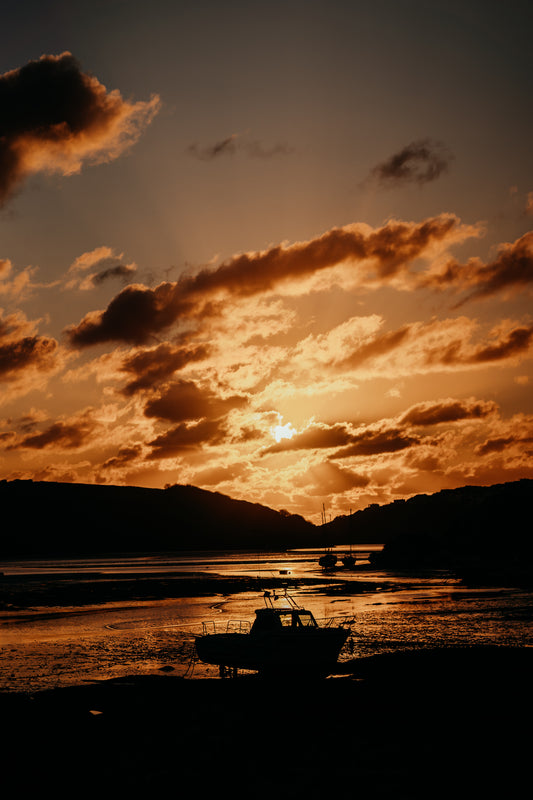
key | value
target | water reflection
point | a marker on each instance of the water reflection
(52, 646)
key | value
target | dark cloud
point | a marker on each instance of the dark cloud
(511, 270)
(505, 345)
(379, 346)
(208, 153)
(138, 313)
(500, 444)
(31, 351)
(367, 442)
(234, 143)
(316, 436)
(373, 443)
(516, 342)
(135, 316)
(420, 162)
(183, 438)
(62, 435)
(125, 456)
(19, 353)
(184, 400)
(151, 367)
(123, 271)
(448, 411)
(54, 117)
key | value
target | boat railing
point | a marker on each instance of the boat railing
(211, 627)
(343, 620)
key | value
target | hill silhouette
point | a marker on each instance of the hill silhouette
(477, 531)
(474, 530)
(68, 519)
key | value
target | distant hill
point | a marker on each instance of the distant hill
(474, 530)
(55, 519)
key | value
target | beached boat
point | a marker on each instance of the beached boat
(281, 640)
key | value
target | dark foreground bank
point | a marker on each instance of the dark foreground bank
(440, 723)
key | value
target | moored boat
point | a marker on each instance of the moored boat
(349, 560)
(328, 560)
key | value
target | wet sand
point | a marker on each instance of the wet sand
(21, 592)
(437, 723)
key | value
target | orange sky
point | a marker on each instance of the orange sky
(283, 256)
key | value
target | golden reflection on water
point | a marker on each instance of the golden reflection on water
(44, 647)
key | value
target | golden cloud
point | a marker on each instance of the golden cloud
(138, 313)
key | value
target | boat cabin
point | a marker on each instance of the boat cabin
(270, 619)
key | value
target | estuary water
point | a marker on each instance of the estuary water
(46, 646)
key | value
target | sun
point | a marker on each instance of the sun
(280, 432)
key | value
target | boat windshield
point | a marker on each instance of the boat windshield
(306, 619)
(268, 619)
(296, 619)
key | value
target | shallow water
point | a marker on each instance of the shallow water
(54, 646)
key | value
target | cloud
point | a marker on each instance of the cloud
(17, 285)
(22, 350)
(387, 436)
(502, 444)
(55, 118)
(506, 345)
(186, 437)
(209, 152)
(184, 400)
(449, 410)
(314, 436)
(151, 367)
(418, 348)
(326, 478)
(139, 313)
(124, 457)
(234, 143)
(375, 442)
(346, 440)
(510, 271)
(104, 265)
(61, 435)
(420, 162)
(221, 474)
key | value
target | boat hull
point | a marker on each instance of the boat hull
(314, 650)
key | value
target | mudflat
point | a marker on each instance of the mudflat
(450, 722)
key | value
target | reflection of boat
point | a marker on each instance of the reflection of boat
(281, 640)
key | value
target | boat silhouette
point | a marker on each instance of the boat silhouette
(281, 640)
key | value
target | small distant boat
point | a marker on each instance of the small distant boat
(282, 640)
(349, 560)
(328, 560)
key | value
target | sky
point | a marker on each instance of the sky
(282, 251)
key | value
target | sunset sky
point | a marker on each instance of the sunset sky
(282, 250)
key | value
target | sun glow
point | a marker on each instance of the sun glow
(283, 431)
